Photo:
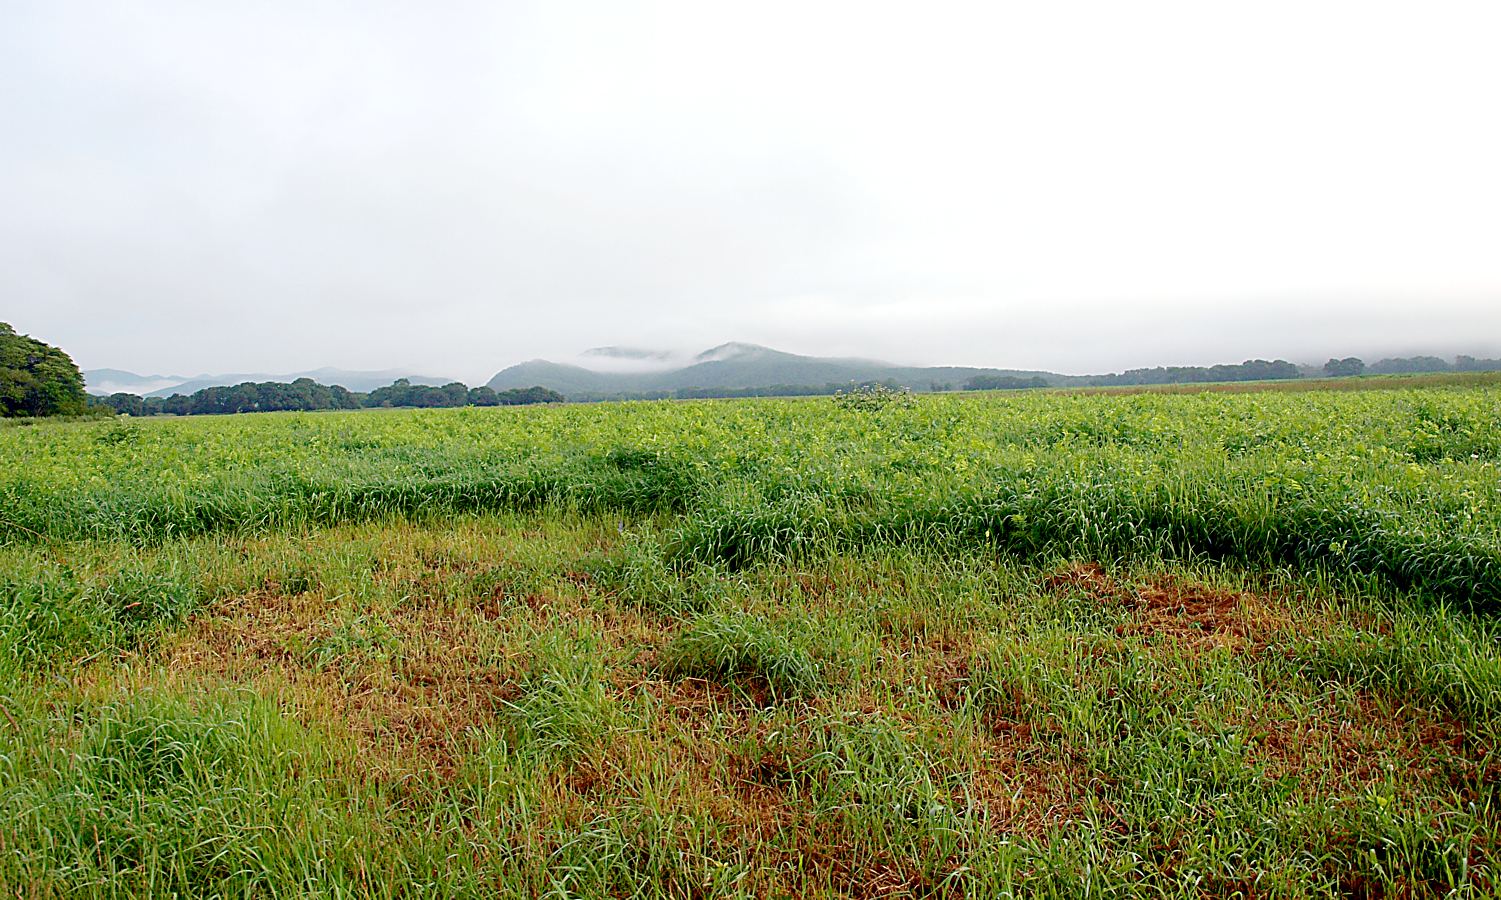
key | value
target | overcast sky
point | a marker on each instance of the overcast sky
(455, 187)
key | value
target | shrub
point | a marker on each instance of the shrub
(874, 397)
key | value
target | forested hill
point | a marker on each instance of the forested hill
(737, 368)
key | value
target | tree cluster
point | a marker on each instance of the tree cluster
(1004, 383)
(1250, 370)
(1407, 365)
(1471, 364)
(304, 394)
(403, 393)
(307, 395)
(37, 379)
(1344, 368)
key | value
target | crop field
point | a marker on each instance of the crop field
(1051, 645)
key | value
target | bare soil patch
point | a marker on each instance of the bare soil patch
(1348, 748)
(1187, 613)
(1029, 786)
(421, 700)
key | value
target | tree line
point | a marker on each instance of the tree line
(307, 395)
(1411, 364)
(1004, 383)
(403, 393)
(1250, 370)
(733, 393)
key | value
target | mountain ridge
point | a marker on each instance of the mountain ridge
(737, 365)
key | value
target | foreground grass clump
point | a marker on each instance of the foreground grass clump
(564, 707)
(736, 647)
(163, 794)
(1206, 646)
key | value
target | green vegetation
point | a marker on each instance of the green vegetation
(37, 379)
(1344, 368)
(1250, 370)
(1398, 484)
(306, 395)
(404, 393)
(302, 395)
(874, 398)
(755, 372)
(1036, 644)
(1004, 383)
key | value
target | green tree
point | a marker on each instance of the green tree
(1350, 365)
(525, 396)
(1464, 363)
(1401, 365)
(483, 396)
(37, 379)
(128, 404)
(1004, 383)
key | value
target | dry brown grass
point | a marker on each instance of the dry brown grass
(1189, 614)
(444, 681)
(1347, 747)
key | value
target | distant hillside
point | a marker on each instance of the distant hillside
(570, 381)
(103, 382)
(737, 366)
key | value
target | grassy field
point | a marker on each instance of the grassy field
(1151, 645)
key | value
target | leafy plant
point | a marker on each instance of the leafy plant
(874, 397)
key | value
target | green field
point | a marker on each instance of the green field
(1146, 645)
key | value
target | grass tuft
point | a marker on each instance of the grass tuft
(734, 647)
(564, 708)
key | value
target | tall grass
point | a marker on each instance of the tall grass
(1400, 484)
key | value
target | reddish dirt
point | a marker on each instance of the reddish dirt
(1088, 577)
(1191, 614)
(424, 703)
(1028, 785)
(1355, 745)
(1186, 613)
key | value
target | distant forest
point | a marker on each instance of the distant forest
(1264, 370)
(1250, 370)
(307, 395)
